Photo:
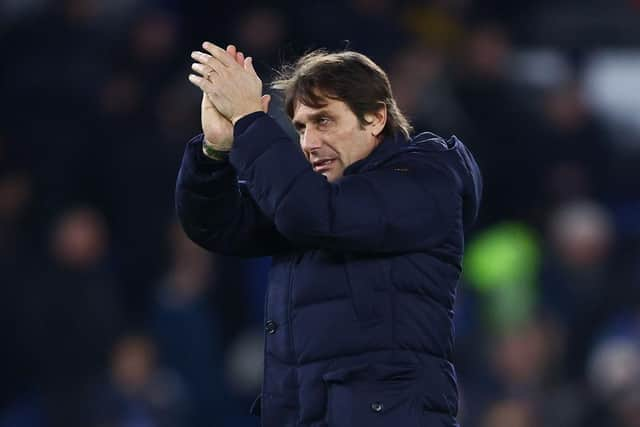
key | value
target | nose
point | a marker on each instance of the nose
(310, 141)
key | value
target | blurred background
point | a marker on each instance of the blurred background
(109, 316)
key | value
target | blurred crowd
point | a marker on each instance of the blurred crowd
(111, 317)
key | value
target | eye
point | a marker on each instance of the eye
(323, 121)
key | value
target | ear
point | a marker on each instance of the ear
(377, 120)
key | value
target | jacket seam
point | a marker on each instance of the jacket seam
(429, 276)
(324, 301)
(358, 353)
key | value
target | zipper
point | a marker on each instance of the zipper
(264, 344)
(295, 260)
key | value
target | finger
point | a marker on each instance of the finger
(265, 100)
(197, 81)
(203, 70)
(240, 58)
(209, 61)
(219, 53)
(248, 65)
(205, 85)
(232, 51)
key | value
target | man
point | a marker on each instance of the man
(365, 228)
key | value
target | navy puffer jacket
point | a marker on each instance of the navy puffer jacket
(359, 309)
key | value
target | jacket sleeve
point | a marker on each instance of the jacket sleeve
(215, 214)
(389, 209)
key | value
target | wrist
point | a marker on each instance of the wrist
(214, 151)
(245, 113)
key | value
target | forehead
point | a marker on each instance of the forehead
(303, 112)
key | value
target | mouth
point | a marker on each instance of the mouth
(323, 165)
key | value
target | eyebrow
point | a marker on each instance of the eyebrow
(311, 117)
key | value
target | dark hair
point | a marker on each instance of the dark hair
(347, 76)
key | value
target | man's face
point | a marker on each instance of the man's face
(332, 138)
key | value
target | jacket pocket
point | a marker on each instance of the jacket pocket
(373, 396)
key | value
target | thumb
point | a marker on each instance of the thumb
(265, 100)
(206, 102)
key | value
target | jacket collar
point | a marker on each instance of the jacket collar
(389, 146)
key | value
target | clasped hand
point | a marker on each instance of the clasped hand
(230, 90)
(229, 81)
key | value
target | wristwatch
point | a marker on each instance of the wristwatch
(211, 152)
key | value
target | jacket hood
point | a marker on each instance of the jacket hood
(462, 163)
(457, 159)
